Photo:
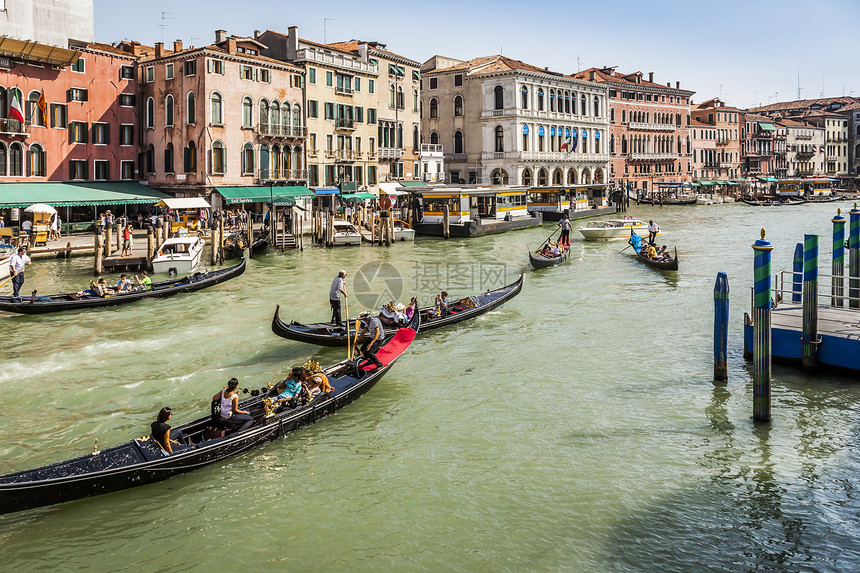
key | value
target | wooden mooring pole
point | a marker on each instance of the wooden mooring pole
(854, 257)
(838, 270)
(761, 330)
(810, 340)
(98, 252)
(721, 328)
(446, 221)
(797, 275)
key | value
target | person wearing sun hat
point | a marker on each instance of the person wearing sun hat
(372, 328)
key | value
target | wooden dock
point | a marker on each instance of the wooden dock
(838, 329)
(138, 259)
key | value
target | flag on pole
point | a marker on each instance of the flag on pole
(43, 108)
(16, 110)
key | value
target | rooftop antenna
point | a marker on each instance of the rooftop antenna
(325, 29)
(164, 17)
(578, 66)
(822, 86)
(721, 92)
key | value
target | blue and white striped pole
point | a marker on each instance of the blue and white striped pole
(797, 275)
(810, 340)
(721, 327)
(761, 330)
(838, 270)
(854, 257)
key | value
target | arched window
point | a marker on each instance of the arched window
(275, 116)
(391, 96)
(434, 138)
(527, 177)
(297, 160)
(400, 136)
(168, 158)
(596, 141)
(189, 162)
(596, 107)
(552, 100)
(401, 101)
(248, 156)
(2, 155)
(297, 119)
(190, 108)
(247, 112)
(16, 159)
(612, 143)
(287, 158)
(414, 100)
(458, 141)
(264, 165)
(557, 177)
(540, 99)
(571, 176)
(415, 138)
(219, 158)
(264, 115)
(149, 119)
(583, 108)
(525, 98)
(458, 106)
(500, 139)
(434, 108)
(525, 138)
(217, 109)
(623, 116)
(499, 94)
(33, 113)
(36, 161)
(541, 178)
(567, 102)
(150, 159)
(612, 115)
(624, 144)
(168, 111)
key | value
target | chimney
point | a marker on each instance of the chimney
(362, 51)
(668, 84)
(220, 36)
(256, 34)
(177, 45)
(592, 76)
(231, 45)
(159, 49)
(677, 85)
(651, 77)
(292, 42)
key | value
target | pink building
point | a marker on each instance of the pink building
(705, 153)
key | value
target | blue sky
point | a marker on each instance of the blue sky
(749, 51)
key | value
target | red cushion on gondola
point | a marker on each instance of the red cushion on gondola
(393, 349)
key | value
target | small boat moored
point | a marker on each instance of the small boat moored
(345, 233)
(181, 255)
(614, 229)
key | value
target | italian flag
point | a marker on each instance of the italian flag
(16, 110)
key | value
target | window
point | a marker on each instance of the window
(313, 108)
(215, 66)
(415, 100)
(101, 170)
(612, 115)
(189, 162)
(358, 114)
(371, 115)
(596, 107)
(371, 175)
(524, 96)
(500, 139)
(248, 157)
(79, 66)
(248, 112)
(59, 115)
(329, 79)
(356, 84)
(434, 108)
(582, 107)
(126, 169)
(36, 161)
(217, 112)
(126, 73)
(434, 83)
(191, 109)
(329, 110)
(219, 158)
(246, 72)
(78, 94)
(101, 134)
(540, 99)
(458, 106)
(168, 72)
(371, 86)
(149, 117)
(168, 158)
(458, 141)
(190, 68)
(149, 74)
(264, 76)
(77, 132)
(78, 169)
(33, 113)
(344, 84)
(149, 158)
(168, 111)
(127, 100)
(126, 134)
(458, 80)
(312, 75)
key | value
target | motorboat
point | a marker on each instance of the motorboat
(402, 231)
(614, 229)
(180, 255)
(704, 200)
(345, 233)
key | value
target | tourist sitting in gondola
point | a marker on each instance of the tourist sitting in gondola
(315, 380)
(123, 284)
(145, 283)
(651, 252)
(392, 314)
(291, 388)
(169, 439)
(442, 304)
(229, 402)
(102, 289)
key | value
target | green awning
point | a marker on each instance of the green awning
(18, 195)
(696, 184)
(766, 127)
(707, 182)
(768, 179)
(358, 196)
(413, 184)
(260, 194)
(734, 184)
(721, 182)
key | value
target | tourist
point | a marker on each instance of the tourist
(2, 222)
(123, 284)
(651, 252)
(338, 289)
(230, 412)
(442, 304)
(52, 230)
(653, 229)
(410, 310)
(555, 251)
(102, 289)
(126, 241)
(565, 230)
(17, 263)
(291, 388)
(370, 326)
(166, 437)
(145, 282)
(101, 223)
(26, 227)
(316, 382)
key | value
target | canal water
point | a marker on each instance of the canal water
(576, 428)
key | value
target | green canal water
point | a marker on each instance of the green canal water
(576, 428)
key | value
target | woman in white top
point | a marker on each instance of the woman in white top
(230, 412)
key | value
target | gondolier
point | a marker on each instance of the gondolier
(370, 325)
(653, 229)
(564, 239)
(17, 263)
(338, 289)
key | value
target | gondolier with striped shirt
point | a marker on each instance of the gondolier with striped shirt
(371, 327)
(564, 239)
(338, 289)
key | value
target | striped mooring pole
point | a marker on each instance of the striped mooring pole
(761, 330)
(838, 270)
(797, 274)
(854, 257)
(721, 327)
(810, 340)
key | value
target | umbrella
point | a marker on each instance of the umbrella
(41, 208)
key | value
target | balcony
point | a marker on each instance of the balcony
(498, 112)
(722, 140)
(563, 156)
(455, 157)
(831, 158)
(344, 123)
(803, 137)
(283, 174)
(431, 148)
(13, 127)
(437, 176)
(343, 90)
(652, 156)
(281, 131)
(651, 126)
(805, 152)
(390, 152)
(344, 155)
(724, 165)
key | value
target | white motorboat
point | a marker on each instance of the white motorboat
(345, 233)
(6, 252)
(402, 231)
(728, 199)
(614, 229)
(181, 254)
(704, 200)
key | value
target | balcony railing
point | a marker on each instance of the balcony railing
(803, 137)
(722, 140)
(344, 123)
(455, 157)
(13, 127)
(390, 152)
(276, 130)
(498, 112)
(655, 156)
(283, 174)
(437, 176)
(563, 156)
(652, 126)
(431, 148)
(344, 155)
(831, 158)
(343, 90)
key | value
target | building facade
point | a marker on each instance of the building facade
(758, 146)
(58, 23)
(649, 129)
(221, 115)
(725, 162)
(706, 154)
(804, 147)
(504, 122)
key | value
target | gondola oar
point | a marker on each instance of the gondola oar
(348, 346)
(547, 239)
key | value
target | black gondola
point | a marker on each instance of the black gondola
(260, 244)
(771, 202)
(88, 299)
(143, 461)
(327, 334)
(665, 265)
(539, 261)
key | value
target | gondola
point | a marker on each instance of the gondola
(666, 265)
(88, 299)
(143, 461)
(259, 245)
(539, 261)
(774, 202)
(327, 334)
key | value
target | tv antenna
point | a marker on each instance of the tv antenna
(165, 16)
(325, 29)
(798, 82)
